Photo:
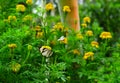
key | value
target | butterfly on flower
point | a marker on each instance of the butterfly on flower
(46, 51)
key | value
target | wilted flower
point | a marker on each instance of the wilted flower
(66, 9)
(79, 36)
(89, 33)
(29, 2)
(29, 47)
(63, 40)
(76, 51)
(49, 6)
(95, 44)
(11, 18)
(27, 18)
(86, 19)
(16, 67)
(20, 8)
(105, 35)
(84, 25)
(12, 46)
(88, 54)
(46, 51)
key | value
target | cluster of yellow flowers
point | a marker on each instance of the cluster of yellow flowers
(29, 2)
(85, 21)
(105, 35)
(88, 54)
(11, 18)
(12, 46)
(95, 44)
(49, 6)
(20, 8)
(66, 9)
(89, 33)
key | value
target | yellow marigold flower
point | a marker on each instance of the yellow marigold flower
(84, 25)
(89, 33)
(49, 6)
(20, 8)
(39, 34)
(76, 51)
(66, 9)
(47, 47)
(27, 18)
(12, 46)
(88, 54)
(29, 47)
(58, 26)
(79, 36)
(95, 44)
(16, 67)
(37, 28)
(11, 18)
(105, 35)
(63, 40)
(86, 19)
(29, 2)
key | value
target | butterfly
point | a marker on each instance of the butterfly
(46, 52)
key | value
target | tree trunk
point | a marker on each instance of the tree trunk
(72, 18)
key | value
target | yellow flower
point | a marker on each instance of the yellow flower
(105, 35)
(86, 19)
(12, 46)
(66, 9)
(39, 34)
(58, 26)
(89, 33)
(47, 47)
(20, 8)
(27, 18)
(16, 67)
(84, 25)
(29, 47)
(29, 2)
(79, 36)
(76, 51)
(11, 18)
(95, 44)
(63, 40)
(49, 6)
(88, 54)
(37, 28)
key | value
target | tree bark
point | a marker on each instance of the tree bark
(72, 18)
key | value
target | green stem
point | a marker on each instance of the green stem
(26, 57)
